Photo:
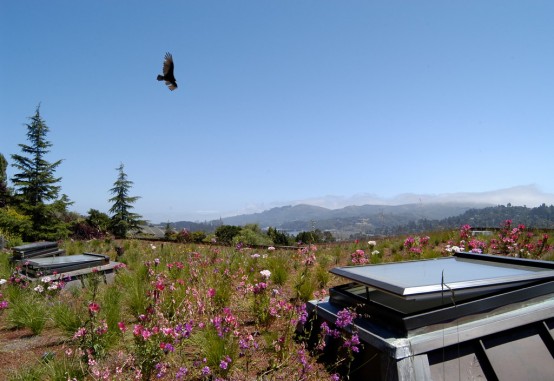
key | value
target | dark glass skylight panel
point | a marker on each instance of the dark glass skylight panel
(64, 263)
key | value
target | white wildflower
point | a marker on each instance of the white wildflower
(265, 273)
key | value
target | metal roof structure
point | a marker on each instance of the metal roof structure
(463, 317)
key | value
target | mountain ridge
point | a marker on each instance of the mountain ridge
(307, 217)
(371, 214)
(280, 217)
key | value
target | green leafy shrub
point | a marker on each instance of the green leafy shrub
(14, 225)
(250, 236)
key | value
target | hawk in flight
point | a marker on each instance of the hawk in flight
(168, 73)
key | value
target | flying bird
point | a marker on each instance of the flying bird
(168, 73)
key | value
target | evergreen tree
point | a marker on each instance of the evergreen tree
(35, 184)
(4, 192)
(169, 232)
(123, 219)
(279, 238)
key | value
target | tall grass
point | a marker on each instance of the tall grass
(27, 310)
(5, 266)
(280, 268)
(67, 316)
(60, 368)
(111, 299)
(214, 347)
(305, 285)
(135, 285)
(28, 373)
(63, 368)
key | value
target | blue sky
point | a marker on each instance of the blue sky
(283, 101)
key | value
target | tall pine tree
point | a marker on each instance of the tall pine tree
(36, 185)
(122, 219)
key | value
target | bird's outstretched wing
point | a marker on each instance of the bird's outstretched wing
(168, 65)
(168, 76)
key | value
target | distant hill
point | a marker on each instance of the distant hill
(207, 227)
(294, 216)
(348, 219)
(358, 221)
(276, 217)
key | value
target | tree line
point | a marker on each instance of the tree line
(492, 217)
(34, 208)
(247, 235)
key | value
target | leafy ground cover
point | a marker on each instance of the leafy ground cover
(204, 312)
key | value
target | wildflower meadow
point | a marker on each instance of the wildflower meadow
(181, 311)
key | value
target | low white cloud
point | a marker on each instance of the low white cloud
(525, 195)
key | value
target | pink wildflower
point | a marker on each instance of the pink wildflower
(80, 333)
(145, 333)
(160, 285)
(137, 329)
(359, 257)
(93, 307)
